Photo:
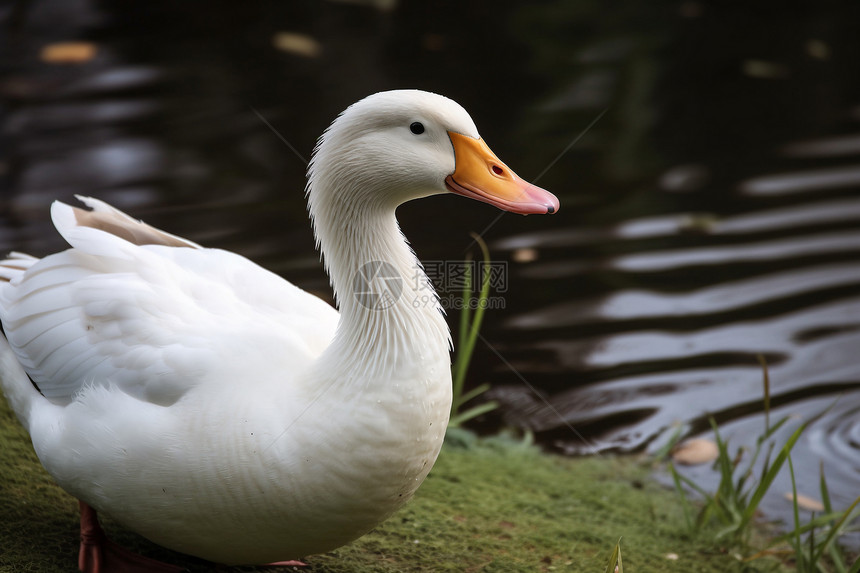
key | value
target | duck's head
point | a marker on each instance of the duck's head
(395, 146)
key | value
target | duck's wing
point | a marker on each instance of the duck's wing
(153, 314)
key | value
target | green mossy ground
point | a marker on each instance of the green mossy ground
(488, 505)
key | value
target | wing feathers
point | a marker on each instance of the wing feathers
(105, 218)
(15, 264)
(134, 308)
(29, 328)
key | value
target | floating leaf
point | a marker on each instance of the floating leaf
(695, 452)
(68, 52)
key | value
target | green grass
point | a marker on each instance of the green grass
(734, 505)
(489, 505)
(814, 545)
(470, 327)
(739, 493)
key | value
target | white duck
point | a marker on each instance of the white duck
(219, 410)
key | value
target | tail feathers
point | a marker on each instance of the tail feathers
(15, 265)
(104, 230)
(16, 385)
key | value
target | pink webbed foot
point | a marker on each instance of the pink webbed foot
(98, 554)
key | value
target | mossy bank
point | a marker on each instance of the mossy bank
(488, 505)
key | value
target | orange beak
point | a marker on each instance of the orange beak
(479, 174)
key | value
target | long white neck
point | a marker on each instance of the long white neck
(391, 321)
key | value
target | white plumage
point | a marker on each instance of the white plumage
(216, 408)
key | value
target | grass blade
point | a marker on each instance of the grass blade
(685, 504)
(799, 557)
(461, 363)
(485, 290)
(768, 478)
(834, 551)
(614, 565)
(766, 382)
(470, 325)
(462, 417)
(695, 486)
(825, 492)
(473, 393)
(838, 527)
(818, 521)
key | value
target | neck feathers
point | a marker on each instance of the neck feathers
(390, 314)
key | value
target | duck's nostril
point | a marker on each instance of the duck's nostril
(498, 170)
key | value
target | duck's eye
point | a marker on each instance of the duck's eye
(417, 128)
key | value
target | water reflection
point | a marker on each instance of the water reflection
(710, 216)
(803, 181)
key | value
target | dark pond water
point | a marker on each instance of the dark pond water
(707, 160)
